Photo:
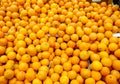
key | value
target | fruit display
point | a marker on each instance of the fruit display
(59, 42)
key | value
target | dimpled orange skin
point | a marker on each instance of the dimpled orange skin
(59, 42)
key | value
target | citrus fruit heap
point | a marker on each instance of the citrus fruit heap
(59, 42)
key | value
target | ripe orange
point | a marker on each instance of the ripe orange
(72, 74)
(64, 80)
(42, 75)
(55, 77)
(84, 55)
(58, 69)
(110, 79)
(67, 66)
(9, 74)
(113, 46)
(85, 73)
(89, 81)
(107, 62)
(96, 75)
(105, 71)
(96, 65)
(115, 64)
(2, 50)
(70, 30)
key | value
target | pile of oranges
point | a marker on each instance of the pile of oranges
(59, 42)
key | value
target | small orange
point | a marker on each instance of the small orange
(45, 62)
(2, 50)
(84, 19)
(110, 79)
(115, 64)
(42, 75)
(72, 74)
(31, 50)
(75, 60)
(85, 73)
(105, 71)
(58, 69)
(94, 57)
(113, 46)
(103, 54)
(96, 65)
(115, 73)
(64, 80)
(76, 68)
(30, 74)
(26, 58)
(83, 64)
(102, 47)
(89, 81)
(67, 66)
(56, 60)
(52, 31)
(36, 65)
(74, 82)
(93, 36)
(3, 41)
(116, 53)
(44, 46)
(71, 44)
(11, 55)
(9, 74)
(20, 75)
(23, 66)
(107, 62)
(69, 51)
(96, 75)
(21, 43)
(36, 81)
(85, 38)
(55, 77)
(45, 54)
(70, 30)
(117, 22)
(84, 55)
(3, 59)
(40, 34)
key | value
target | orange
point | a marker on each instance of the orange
(1, 34)
(96, 75)
(64, 80)
(3, 80)
(69, 51)
(47, 81)
(113, 46)
(71, 44)
(45, 62)
(80, 79)
(70, 30)
(40, 34)
(23, 66)
(11, 55)
(75, 60)
(44, 46)
(9, 64)
(3, 59)
(103, 54)
(85, 38)
(93, 36)
(84, 19)
(115, 64)
(72, 74)
(9, 74)
(93, 47)
(56, 60)
(105, 71)
(108, 26)
(74, 82)
(36, 65)
(89, 81)
(58, 69)
(30, 74)
(67, 66)
(85, 73)
(116, 53)
(83, 64)
(36, 81)
(44, 68)
(84, 55)
(45, 54)
(74, 37)
(2, 50)
(96, 65)
(94, 57)
(110, 79)
(52, 31)
(102, 46)
(76, 52)
(55, 77)
(76, 68)
(107, 62)
(84, 46)
(25, 58)
(3, 42)
(20, 75)
(31, 50)
(42, 75)
(21, 43)
(115, 73)
(117, 22)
